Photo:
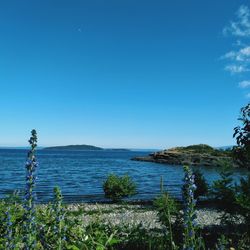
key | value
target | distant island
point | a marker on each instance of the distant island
(73, 147)
(194, 155)
(83, 148)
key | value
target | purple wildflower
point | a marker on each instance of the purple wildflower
(59, 217)
(8, 230)
(189, 209)
(29, 197)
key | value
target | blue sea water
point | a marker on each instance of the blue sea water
(80, 174)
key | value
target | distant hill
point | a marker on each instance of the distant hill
(74, 147)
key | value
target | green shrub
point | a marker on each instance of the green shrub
(243, 200)
(223, 191)
(241, 152)
(116, 187)
(200, 183)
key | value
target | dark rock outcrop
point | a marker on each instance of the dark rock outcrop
(197, 155)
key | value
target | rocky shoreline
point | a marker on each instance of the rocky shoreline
(205, 156)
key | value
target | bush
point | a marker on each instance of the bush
(223, 191)
(200, 183)
(116, 187)
(243, 199)
(241, 152)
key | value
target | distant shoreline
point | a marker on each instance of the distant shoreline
(103, 149)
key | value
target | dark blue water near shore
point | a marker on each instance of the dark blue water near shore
(80, 174)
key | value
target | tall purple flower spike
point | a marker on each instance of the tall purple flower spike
(29, 198)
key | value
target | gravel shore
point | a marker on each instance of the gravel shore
(134, 215)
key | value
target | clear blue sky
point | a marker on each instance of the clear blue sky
(137, 74)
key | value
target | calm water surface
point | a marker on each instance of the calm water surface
(80, 174)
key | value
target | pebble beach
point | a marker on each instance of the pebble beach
(134, 215)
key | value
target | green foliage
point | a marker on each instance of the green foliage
(100, 237)
(116, 187)
(243, 200)
(94, 235)
(243, 241)
(200, 183)
(241, 152)
(223, 192)
(223, 243)
(13, 198)
(167, 208)
(45, 226)
(141, 238)
(203, 149)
